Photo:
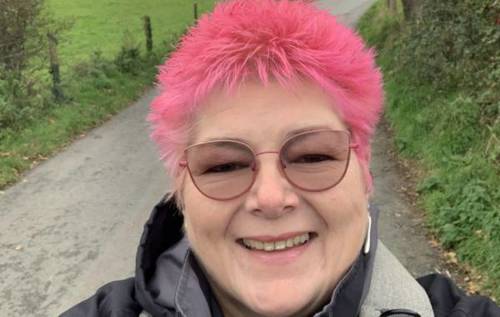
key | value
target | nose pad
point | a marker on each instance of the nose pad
(271, 194)
(253, 167)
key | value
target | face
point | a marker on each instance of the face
(297, 280)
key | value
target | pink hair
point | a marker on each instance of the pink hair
(267, 39)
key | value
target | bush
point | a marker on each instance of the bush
(94, 67)
(20, 101)
(453, 44)
(97, 69)
(128, 59)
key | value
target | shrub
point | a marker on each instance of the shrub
(20, 101)
(128, 59)
(453, 44)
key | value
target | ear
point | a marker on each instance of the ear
(368, 192)
(367, 179)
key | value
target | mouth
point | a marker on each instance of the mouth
(269, 245)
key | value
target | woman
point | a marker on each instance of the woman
(264, 122)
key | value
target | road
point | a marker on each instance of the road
(73, 222)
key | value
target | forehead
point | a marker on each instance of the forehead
(261, 114)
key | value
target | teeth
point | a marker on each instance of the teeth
(276, 245)
(268, 246)
(258, 245)
(280, 245)
(303, 239)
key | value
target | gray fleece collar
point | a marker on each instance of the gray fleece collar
(392, 287)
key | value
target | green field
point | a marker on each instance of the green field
(101, 25)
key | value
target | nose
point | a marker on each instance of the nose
(271, 195)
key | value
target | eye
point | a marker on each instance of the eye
(313, 158)
(226, 168)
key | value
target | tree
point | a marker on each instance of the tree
(22, 35)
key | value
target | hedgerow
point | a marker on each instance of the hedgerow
(442, 76)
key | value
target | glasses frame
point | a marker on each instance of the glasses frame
(184, 163)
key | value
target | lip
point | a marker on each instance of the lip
(284, 236)
(279, 257)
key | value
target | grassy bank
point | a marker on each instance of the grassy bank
(442, 84)
(105, 68)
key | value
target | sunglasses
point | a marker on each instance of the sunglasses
(312, 161)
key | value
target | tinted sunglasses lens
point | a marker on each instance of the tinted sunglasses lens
(221, 170)
(316, 161)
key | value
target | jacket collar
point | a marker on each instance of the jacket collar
(169, 281)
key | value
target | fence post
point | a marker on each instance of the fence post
(54, 68)
(149, 33)
(195, 10)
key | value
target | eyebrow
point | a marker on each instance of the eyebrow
(288, 135)
(305, 129)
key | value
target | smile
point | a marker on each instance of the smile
(277, 245)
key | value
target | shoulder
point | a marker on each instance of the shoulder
(449, 301)
(392, 289)
(113, 299)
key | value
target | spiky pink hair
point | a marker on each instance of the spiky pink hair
(267, 39)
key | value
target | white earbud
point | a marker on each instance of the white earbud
(366, 247)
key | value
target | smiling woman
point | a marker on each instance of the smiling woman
(270, 234)
(264, 121)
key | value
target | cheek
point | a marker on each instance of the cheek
(195, 207)
(353, 188)
(344, 213)
(345, 209)
(205, 219)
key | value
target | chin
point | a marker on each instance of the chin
(291, 300)
(274, 309)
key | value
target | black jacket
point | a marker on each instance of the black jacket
(164, 258)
